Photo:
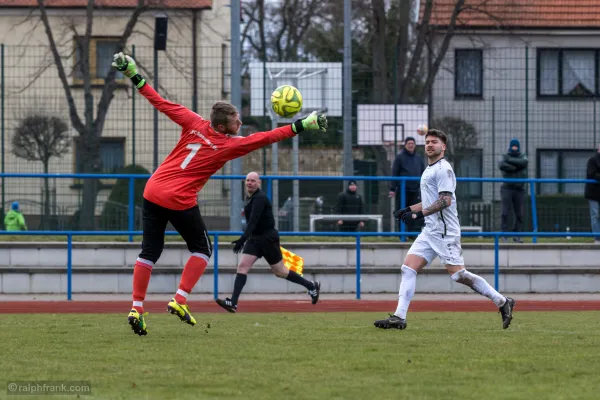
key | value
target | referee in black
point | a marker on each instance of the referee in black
(261, 239)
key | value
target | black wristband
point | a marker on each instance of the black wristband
(419, 215)
(136, 79)
(298, 126)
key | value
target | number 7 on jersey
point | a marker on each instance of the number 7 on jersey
(194, 147)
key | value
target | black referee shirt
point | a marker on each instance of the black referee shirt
(259, 214)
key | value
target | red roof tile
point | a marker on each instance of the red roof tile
(518, 13)
(191, 4)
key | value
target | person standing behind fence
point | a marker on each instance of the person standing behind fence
(408, 163)
(349, 203)
(14, 220)
(592, 193)
(513, 166)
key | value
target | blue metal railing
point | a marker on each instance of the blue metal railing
(269, 187)
(357, 235)
(269, 183)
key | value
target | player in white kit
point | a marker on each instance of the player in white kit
(440, 237)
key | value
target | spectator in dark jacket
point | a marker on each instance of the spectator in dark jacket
(513, 166)
(408, 163)
(350, 203)
(592, 193)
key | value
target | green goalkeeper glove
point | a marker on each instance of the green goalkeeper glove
(313, 121)
(127, 66)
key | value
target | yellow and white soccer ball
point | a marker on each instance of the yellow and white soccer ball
(286, 101)
(422, 130)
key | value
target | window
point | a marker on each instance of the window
(101, 53)
(567, 72)
(562, 164)
(469, 165)
(112, 155)
(468, 76)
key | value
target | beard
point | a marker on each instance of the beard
(434, 154)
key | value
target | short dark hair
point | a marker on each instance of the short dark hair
(438, 134)
(220, 113)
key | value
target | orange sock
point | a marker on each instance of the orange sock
(141, 277)
(193, 270)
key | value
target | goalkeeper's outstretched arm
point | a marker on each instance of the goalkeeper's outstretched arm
(176, 112)
(243, 145)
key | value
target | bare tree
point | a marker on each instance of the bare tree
(275, 31)
(387, 42)
(462, 139)
(418, 59)
(380, 55)
(387, 39)
(88, 127)
(40, 137)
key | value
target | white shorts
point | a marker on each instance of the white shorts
(428, 246)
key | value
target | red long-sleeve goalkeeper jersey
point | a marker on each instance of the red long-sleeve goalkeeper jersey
(200, 152)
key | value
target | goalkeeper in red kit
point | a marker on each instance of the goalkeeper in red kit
(171, 192)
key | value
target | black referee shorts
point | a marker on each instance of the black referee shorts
(188, 223)
(265, 245)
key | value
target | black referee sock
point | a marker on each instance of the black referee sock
(294, 277)
(238, 285)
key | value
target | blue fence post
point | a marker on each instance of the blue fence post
(534, 220)
(216, 267)
(358, 275)
(69, 266)
(131, 208)
(402, 205)
(270, 188)
(496, 261)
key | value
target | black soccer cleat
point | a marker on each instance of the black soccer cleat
(227, 304)
(393, 322)
(314, 294)
(506, 311)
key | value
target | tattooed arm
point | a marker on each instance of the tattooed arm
(443, 202)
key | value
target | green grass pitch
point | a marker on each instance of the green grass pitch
(543, 355)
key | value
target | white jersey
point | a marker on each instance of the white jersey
(439, 177)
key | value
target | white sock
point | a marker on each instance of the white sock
(407, 290)
(138, 304)
(479, 285)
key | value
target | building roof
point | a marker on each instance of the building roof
(178, 4)
(518, 13)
